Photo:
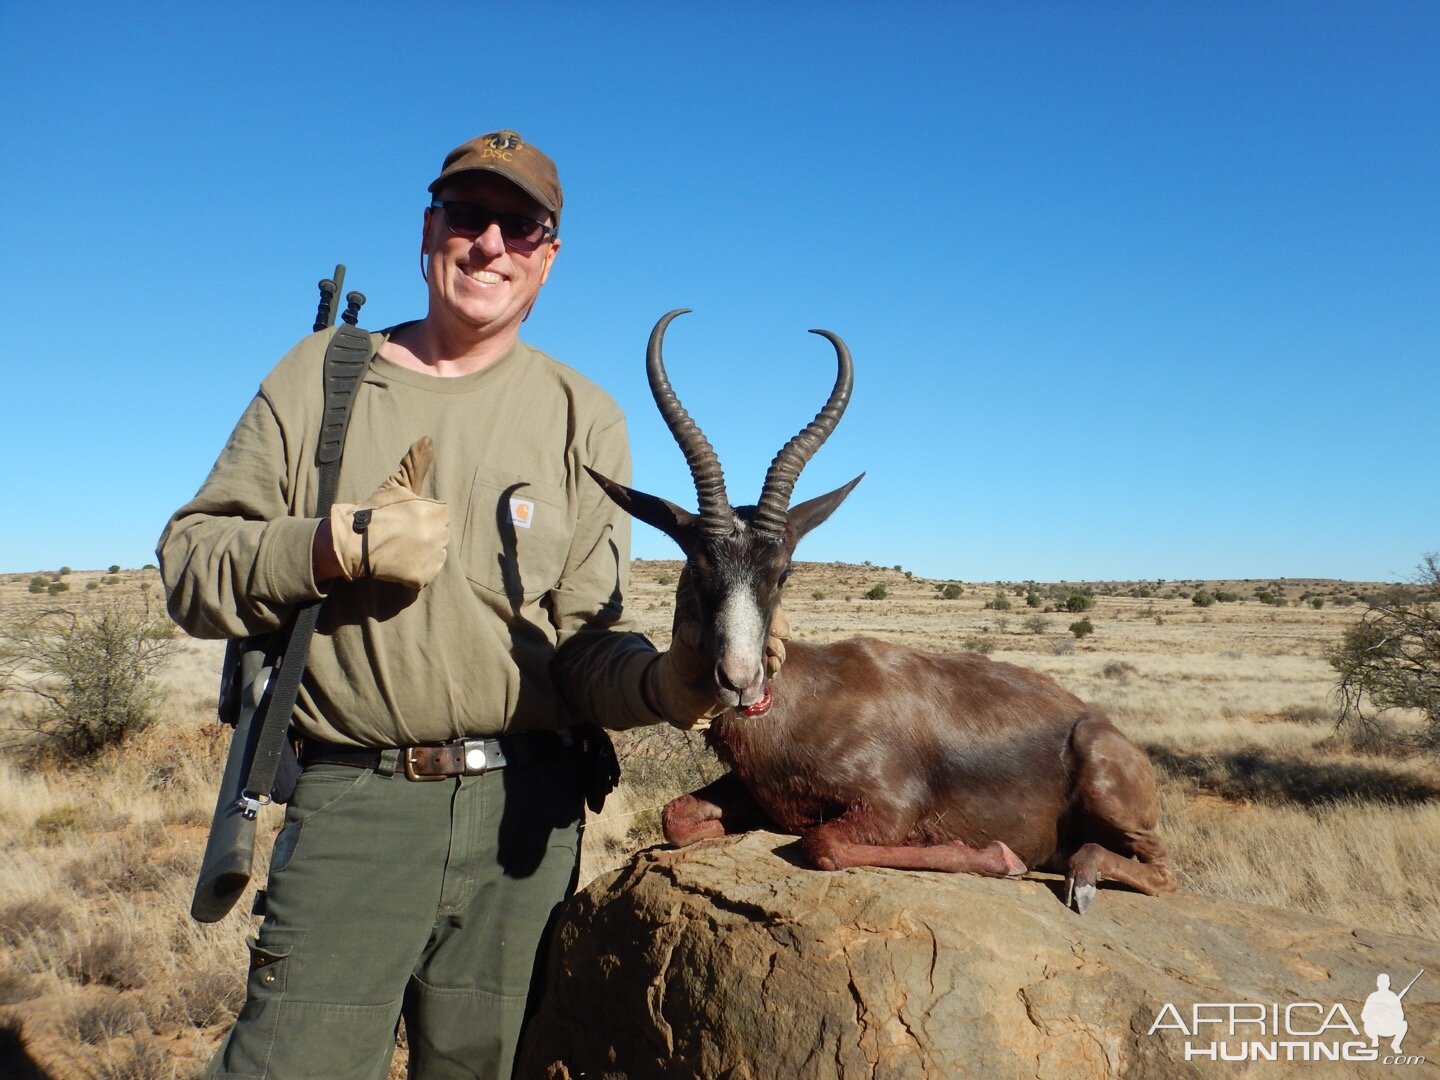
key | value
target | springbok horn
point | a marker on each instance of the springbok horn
(771, 513)
(716, 518)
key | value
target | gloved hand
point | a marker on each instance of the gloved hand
(681, 682)
(775, 641)
(394, 535)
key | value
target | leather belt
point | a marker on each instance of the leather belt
(466, 757)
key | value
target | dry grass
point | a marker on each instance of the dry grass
(100, 967)
(106, 976)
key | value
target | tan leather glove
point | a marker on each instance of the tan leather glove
(394, 535)
(775, 641)
(681, 683)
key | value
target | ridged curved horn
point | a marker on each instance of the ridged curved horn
(716, 518)
(771, 513)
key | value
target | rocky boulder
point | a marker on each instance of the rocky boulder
(731, 960)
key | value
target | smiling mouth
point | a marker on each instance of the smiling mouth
(484, 277)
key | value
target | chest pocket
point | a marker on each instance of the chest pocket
(517, 533)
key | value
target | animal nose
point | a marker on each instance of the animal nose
(737, 677)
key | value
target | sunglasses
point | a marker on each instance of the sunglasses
(469, 220)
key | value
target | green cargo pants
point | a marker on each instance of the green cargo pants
(389, 896)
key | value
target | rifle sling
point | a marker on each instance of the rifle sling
(346, 358)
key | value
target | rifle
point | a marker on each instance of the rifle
(261, 766)
(1411, 983)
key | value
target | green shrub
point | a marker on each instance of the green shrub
(1389, 659)
(817, 595)
(56, 587)
(94, 675)
(38, 584)
(981, 643)
(1077, 602)
(951, 592)
(1001, 602)
(1037, 624)
(875, 593)
(1317, 602)
(114, 568)
(1083, 628)
(1202, 599)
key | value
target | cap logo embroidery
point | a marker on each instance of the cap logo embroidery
(501, 144)
(522, 512)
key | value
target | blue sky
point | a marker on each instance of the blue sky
(1133, 290)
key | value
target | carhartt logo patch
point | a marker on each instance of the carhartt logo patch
(522, 512)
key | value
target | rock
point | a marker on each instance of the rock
(730, 960)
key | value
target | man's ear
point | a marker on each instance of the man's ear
(425, 247)
(554, 246)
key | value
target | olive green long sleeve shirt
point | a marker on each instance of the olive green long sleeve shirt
(538, 560)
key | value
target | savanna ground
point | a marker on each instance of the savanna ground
(104, 975)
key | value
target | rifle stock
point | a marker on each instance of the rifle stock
(230, 851)
(245, 680)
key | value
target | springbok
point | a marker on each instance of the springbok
(873, 753)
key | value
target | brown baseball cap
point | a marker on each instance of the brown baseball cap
(506, 154)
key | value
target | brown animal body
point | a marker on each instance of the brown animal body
(961, 764)
(873, 753)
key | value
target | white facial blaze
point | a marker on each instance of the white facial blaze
(741, 634)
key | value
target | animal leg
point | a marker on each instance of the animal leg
(714, 810)
(1117, 809)
(831, 847)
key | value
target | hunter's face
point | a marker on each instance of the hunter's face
(484, 286)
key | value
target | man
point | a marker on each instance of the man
(474, 594)
(1383, 1016)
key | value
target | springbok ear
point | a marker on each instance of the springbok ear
(673, 521)
(801, 519)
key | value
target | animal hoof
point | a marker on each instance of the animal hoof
(1080, 897)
